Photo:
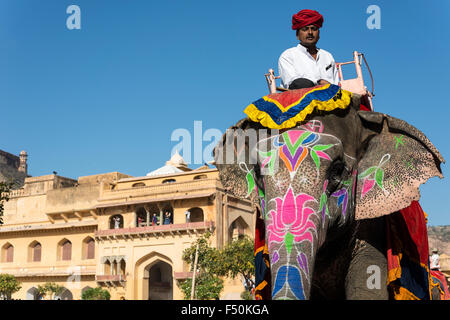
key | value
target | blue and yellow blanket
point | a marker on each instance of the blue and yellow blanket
(284, 110)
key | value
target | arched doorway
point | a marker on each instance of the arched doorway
(33, 294)
(160, 281)
(65, 295)
(142, 276)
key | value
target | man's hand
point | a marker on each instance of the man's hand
(322, 82)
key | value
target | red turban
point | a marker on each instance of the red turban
(306, 17)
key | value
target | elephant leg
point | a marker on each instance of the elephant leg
(367, 274)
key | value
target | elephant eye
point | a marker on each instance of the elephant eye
(336, 173)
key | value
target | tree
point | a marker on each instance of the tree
(208, 284)
(5, 188)
(8, 286)
(237, 258)
(95, 294)
(50, 290)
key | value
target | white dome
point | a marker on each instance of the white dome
(167, 169)
(176, 160)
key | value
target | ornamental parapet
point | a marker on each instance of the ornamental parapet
(155, 190)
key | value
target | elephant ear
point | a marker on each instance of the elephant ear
(233, 157)
(396, 159)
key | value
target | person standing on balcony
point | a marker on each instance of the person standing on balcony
(305, 65)
(154, 220)
(167, 217)
(116, 222)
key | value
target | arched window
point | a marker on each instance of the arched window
(196, 215)
(88, 248)
(114, 268)
(116, 222)
(37, 251)
(34, 252)
(200, 176)
(138, 184)
(65, 250)
(107, 268)
(122, 267)
(8, 253)
(169, 181)
(237, 229)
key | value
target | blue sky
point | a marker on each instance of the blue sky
(107, 97)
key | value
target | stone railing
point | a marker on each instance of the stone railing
(165, 229)
(16, 193)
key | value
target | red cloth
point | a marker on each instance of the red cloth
(306, 17)
(363, 107)
(411, 234)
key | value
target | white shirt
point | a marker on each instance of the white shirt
(297, 63)
(434, 261)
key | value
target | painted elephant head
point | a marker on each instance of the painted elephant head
(319, 177)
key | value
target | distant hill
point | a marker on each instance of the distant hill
(439, 237)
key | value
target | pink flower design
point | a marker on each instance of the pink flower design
(291, 220)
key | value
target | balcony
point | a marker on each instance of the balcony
(111, 280)
(155, 231)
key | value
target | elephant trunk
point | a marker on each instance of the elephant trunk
(294, 232)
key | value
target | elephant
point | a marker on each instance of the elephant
(323, 187)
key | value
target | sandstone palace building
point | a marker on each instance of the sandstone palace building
(123, 233)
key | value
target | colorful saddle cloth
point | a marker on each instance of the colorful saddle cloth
(284, 110)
